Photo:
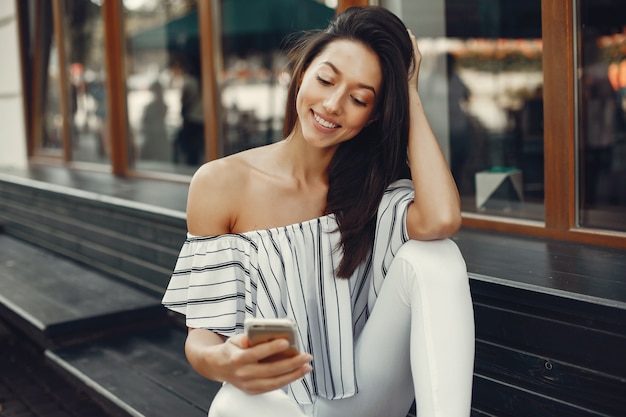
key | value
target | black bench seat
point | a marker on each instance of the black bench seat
(550, 326)
(585, 272)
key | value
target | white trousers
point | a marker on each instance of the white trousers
(423, 316)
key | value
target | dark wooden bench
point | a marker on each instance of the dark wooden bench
(550, 326)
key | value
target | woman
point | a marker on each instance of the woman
(321, 228)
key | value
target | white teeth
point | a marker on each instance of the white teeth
(324, 122)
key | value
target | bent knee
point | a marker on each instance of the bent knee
(440, 258)
(219, 405)
(232, 402)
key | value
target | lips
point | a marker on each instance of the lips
(324, 123)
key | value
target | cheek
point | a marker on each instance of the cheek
(361, 120)
(301, 94)
(301, 108)
(306, 91)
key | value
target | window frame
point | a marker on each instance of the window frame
(559, 31)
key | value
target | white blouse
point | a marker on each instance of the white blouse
(289, 271)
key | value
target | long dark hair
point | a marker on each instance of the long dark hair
(363, 167)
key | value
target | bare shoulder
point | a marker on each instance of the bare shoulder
(215, 193)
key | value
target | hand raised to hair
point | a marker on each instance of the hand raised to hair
(413, 77)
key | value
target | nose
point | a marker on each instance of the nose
(332, 103)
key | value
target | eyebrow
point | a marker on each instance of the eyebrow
(361, 85)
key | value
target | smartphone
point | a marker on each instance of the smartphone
(260, 330)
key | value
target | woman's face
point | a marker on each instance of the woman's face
(338, 92)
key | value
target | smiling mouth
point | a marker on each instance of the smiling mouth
(323, 122)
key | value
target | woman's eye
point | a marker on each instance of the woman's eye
(322, 81)
(359, 102)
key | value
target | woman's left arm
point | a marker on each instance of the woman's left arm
(436, 210)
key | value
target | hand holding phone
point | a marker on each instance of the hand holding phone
(261, 330)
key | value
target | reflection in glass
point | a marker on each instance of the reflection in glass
(52, 138)
(49, 137)
(602, 115)
(164, 86)
(253, 80)
(84, 48)
(481, 83)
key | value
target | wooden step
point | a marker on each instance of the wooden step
(131, 241)
(144, 374)
(58, 302)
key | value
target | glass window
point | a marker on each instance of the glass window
(164, 95)
(602, 114)
(481, 83)
(52, 139)
(49, 139)
(84, 48)
(252, 79)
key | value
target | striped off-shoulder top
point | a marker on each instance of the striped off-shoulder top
(288, 271)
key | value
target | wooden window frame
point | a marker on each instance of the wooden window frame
(206, 12)
(344, 4)
(560, 87)
(112, 13)
(560, 138)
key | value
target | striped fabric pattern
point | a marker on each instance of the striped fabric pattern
(288, 271)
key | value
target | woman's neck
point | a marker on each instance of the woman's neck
(304, 163)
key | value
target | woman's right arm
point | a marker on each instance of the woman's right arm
(211, 210)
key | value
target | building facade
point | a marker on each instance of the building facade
(528, 99)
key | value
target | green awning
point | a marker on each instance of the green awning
(257, 24)
(245, 17)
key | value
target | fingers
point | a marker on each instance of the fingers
(264, 350)
(263, 377)
(257, 354)
(418, 59)
(253, 376)
(416, 49)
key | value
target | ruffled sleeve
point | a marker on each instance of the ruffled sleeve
(213, 283)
